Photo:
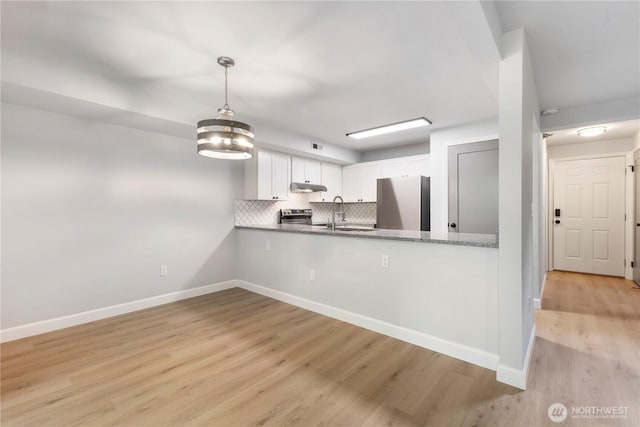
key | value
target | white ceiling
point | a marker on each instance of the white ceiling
(583, 52)
(616, 130)
(313, 71)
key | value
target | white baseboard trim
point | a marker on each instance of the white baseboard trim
(459, 351)
(537, 302)
(518, 377)
(36, 328)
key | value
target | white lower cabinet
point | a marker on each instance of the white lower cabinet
(266, 176)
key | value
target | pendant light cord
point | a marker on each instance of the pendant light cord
(226, 101)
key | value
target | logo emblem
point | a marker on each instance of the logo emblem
(557, 412)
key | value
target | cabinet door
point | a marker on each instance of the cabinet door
(351, 183)
(393, 168)
(280, 176)
(332, 179)
(419, 165)
(264, 176)
(312, 171)
(297, 169)
(369, 182)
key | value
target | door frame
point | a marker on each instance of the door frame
(628, 208)
(634, 158)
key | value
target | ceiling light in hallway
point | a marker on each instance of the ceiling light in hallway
(592, 131)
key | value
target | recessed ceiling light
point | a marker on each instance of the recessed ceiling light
(592, 131)
(549, 111)
(394, 127)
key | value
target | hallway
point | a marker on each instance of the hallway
(587, 349)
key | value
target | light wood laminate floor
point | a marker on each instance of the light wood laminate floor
(235, 358)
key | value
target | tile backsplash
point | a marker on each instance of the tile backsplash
(262, 212)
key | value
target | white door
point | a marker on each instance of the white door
(588, 216)
(473, 187)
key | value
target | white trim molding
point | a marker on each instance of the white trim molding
(518, 377)
(36, 328)
(537, 302)
(449, 348)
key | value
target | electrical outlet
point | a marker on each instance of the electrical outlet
(163, 270)
(267, 246)
(312, 275)
(384, 261)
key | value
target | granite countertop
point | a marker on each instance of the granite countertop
(463, 239)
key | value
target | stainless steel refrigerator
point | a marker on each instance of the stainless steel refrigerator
(403, 203)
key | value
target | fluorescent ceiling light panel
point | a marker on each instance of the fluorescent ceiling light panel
(394, 127)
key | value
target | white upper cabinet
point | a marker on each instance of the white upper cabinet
(394, 167)
(331, 176)
(369, 183)
(351, 183)
(406, 166)
(266, 176)
(419, 165)
(305, 170)
(280, 176)
(359, 182)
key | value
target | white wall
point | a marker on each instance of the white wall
(91, 210)
(519, 126)
(531, 135)
(591, 148)
(441, 139)
(423, 293)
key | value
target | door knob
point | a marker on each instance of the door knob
(557, 221)
(637, 224)
(453, 225)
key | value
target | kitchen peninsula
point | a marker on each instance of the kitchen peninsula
(435, 290)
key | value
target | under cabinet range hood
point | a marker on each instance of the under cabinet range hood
(303, 187)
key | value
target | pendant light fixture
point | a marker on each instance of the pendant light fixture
(222, 137)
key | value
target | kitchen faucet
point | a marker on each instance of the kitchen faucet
(333, 222)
